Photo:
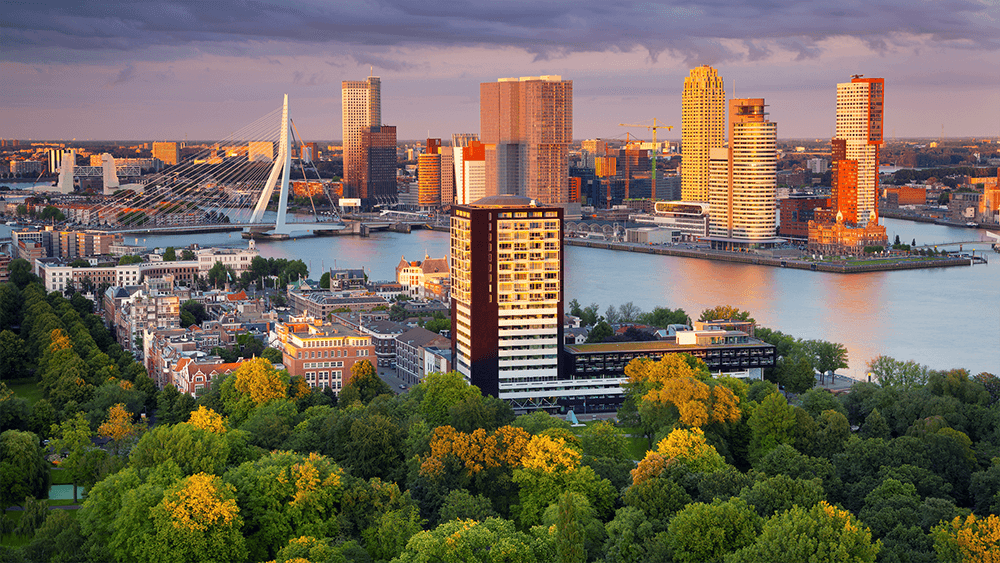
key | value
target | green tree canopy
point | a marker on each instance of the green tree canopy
(821, 534)
(24, 472)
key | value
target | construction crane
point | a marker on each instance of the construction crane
(656, 148)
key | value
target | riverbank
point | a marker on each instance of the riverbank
(833, 266)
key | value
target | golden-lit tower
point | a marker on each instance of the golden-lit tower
(703, 127)
(856, 147)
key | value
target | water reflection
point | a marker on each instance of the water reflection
(942, 317)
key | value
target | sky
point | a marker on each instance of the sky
(176, 69)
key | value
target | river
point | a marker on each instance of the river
(942, 317)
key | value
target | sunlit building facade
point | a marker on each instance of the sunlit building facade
(703, 128)
(507, 299)
(743, 179)
(527, 126)
(361, 107)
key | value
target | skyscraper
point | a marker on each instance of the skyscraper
(858, 139)
(168, 153)
(361, 106)
(527, 126)
(507, 299)
(703, 128)
(377, 183)
(743, 179)
(429, 176)
(851, 224)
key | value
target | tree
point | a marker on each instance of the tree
(119, 426)
(442, 391)
(461, 505)
(707, 532)
(890, 372)
(821, 534)
(725, 312)
(190, 448)
(575, 533)
(188, 255)
(364, 385)
(780, 493)
(197, 520)
(13, 356)
(286, 495)
(469, 541)
(678, 387)
(796, 375)
(588, 316)
(169, 255)
(827, 356)
(73, 437)
(611, 315)
(254, 383)
(604, 439)
(663, 317)
(23, 469)
(601, 332)
(51, 212)
(630, 312)
(324, 280)
(772, 424)
(218, 274)
(875, 426)
(967, 539)
(129, 259)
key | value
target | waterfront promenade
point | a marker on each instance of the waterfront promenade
(833, 266)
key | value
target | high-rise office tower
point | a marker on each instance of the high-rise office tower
(856, 146)
(703, 128)
(377, 184)
(168, 153)
(447, 176)
(361, 106)
(507, 299)
(429, 176)
(743, 179)
(527, 126)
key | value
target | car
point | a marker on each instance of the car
(401, 386)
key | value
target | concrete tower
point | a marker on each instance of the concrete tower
(703, 127)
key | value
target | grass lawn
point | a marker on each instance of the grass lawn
(68, 502)
(27, 388)
(637, 448)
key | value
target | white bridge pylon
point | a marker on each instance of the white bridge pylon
(282, 167)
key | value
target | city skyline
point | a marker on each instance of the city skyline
(166, 71)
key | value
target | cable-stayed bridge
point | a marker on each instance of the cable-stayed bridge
(225, 186)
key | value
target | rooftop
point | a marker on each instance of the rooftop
(649, 346)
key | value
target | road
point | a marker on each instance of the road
(388, 375)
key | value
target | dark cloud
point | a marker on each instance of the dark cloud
(696, 32)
